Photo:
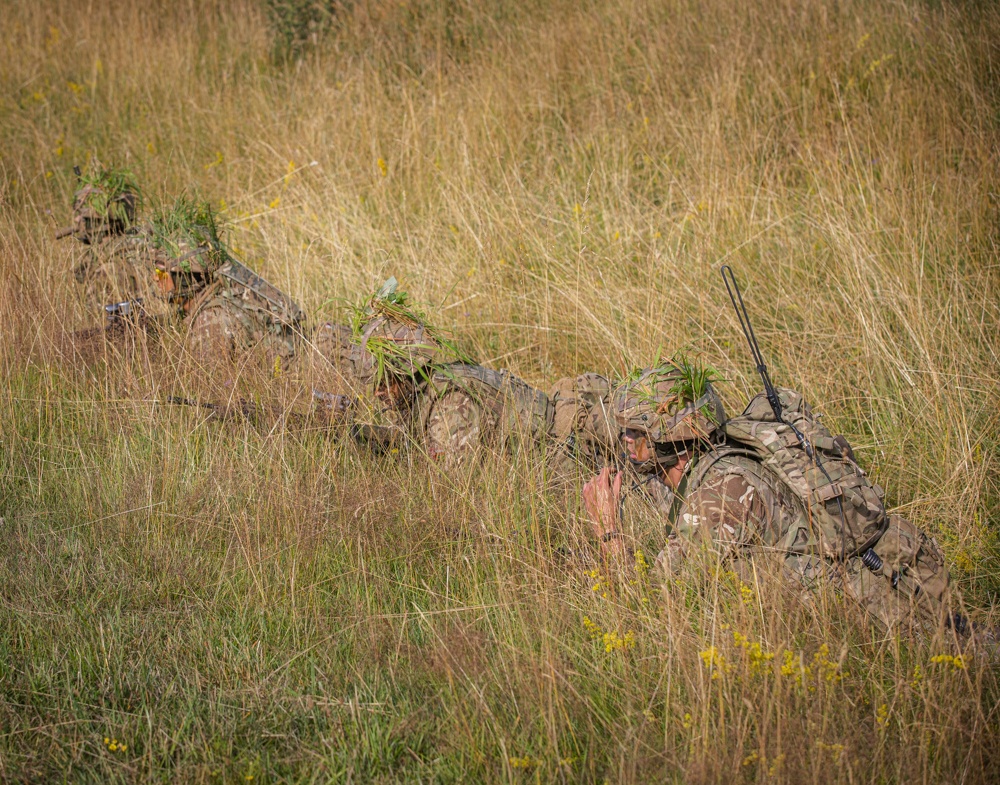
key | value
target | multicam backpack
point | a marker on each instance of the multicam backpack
(241, 309)
(842, 511)
(464, 407)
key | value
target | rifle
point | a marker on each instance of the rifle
(328, 406)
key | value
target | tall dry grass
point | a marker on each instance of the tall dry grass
(559, 182)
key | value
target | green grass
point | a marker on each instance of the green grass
(557, 184)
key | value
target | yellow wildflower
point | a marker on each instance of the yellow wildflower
(641, 565)
(613, 642)
(714, 661)
(958, 663)
(383, 167)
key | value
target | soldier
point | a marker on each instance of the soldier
(189, 272)
(411, 379)
(749, 485)
(104, 215)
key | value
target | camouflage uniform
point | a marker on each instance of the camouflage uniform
(108, 271)
(240, 311)
(583, 430)
(464, 409)
(731, 502)
(114, 272)
(737, 509)
(412, 383)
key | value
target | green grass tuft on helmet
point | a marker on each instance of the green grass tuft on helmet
(670, 405)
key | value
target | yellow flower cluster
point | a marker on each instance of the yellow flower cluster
(822, 668)
(790, 665)
(114, 745)
(612, 641)
(601, 585)
(957, 662)
(527, 762)
(641, 565)
(756, 657)
(882, 716)
(715, 662)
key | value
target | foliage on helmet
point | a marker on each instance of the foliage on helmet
(671, 402)
(407, 348)
(105, 204)
(185, 226)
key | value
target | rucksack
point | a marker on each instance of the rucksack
(839, 505)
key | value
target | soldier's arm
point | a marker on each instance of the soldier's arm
(725, 513)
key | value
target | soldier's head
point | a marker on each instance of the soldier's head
(392, 358)
(667, 412)
(98, 214)
(105, 204)
(394, 349)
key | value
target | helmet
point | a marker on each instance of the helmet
(99, 213)
(392, 350)
(656, 405)
(394, 344)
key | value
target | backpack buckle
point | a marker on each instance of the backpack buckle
(827, 492)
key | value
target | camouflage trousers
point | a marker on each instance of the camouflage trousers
(223, 327)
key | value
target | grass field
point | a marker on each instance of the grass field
(558, 182)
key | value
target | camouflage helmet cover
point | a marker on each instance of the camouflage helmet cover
(98, 214)
(402, 350)
(651, 404)
(394, 343)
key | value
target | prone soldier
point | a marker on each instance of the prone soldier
(747, 486)
(410, 379)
